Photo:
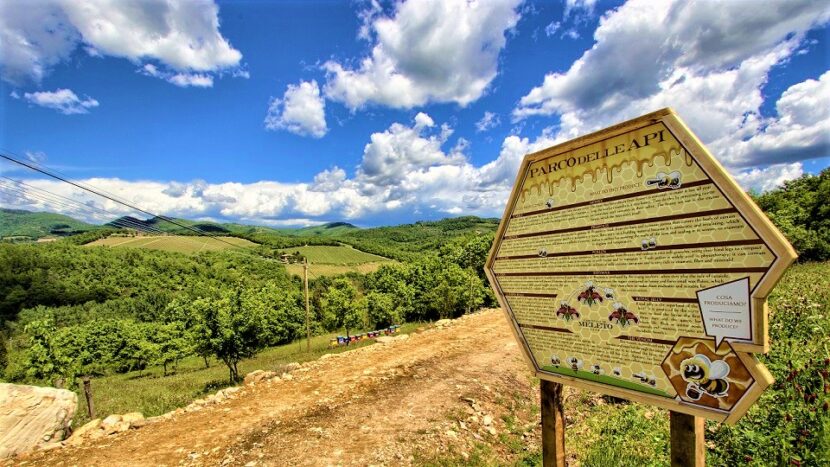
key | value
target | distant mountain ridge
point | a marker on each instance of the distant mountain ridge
(19, 222)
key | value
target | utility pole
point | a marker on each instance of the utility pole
(307, 323)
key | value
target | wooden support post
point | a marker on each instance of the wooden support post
(688, 447)
(307, 319)
(90, 407)
(553, 425)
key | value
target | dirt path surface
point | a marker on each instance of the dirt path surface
(439, 391)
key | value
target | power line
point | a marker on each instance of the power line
(111, 198)
(70, 205)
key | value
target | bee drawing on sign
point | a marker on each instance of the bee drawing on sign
(648, 244)
(664, 180)
(617, 372)
(645, 379)
(550, 203)
(590, 294)
(543, 253)
(609, 293)
(574, 363)
(554, 360)
(566, 311)
(704, 377)
(622, 316)
(596, 369)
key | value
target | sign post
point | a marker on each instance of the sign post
(630, 263)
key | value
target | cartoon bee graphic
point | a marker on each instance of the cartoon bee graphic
(609, 293)
(574, 363)
(617, 372)
(554, 360)
(651, 380)
(704, 376)
(550, 203)
(543, 253)
(596, 369)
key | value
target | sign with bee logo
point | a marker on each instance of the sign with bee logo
(629, 262)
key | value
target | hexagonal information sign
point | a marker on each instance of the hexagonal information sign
(630, 263)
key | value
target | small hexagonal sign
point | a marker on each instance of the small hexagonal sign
(630, 263)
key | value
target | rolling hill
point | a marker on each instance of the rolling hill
(20, 223)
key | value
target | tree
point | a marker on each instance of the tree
(283, 317)
(230, 327)
(341, 306)
(45, 359)
(171, 343)
(382, 311)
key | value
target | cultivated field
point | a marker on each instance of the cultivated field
(341, 255)
(335, 269)
(181, 244)
(335, 260)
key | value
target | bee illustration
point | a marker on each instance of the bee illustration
(609, 293)
(543, 253)
(574, 363)
(704, 376)
(555, 360)
(550, 203)
(651, 380)
(664, 180)
(596, 369)
(616, 371)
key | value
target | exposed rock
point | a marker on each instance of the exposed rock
(291, 366)
(84, 430)
(132, 417)
(487, 420)
(253, 377)
(32, 416)
(259, 376)
(385, 339)
(443, 322)
(111, 421)
(287, 376)
(326, 356)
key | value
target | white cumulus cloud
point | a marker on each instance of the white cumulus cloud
(428, 51)
(301, 110)
(64, 101)
(182, 37)
(707, 60)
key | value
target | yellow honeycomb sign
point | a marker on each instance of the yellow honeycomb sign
(629, 262)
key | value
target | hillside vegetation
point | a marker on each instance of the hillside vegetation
(801, 209)
(177, 243)
(19, 223)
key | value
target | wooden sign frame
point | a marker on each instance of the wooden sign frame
(751, 213)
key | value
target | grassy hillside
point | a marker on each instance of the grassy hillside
(343, 255)
(410, 241)
(335, 260)
(332, 229)
(15, 222)
(181, 244)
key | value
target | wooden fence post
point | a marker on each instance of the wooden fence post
(688, 447)
(553, 424)
(90, 408)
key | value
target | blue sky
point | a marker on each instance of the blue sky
(294, 113)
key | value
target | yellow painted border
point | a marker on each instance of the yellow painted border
(776, 242)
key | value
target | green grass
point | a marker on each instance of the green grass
(319, 270)
(177, 243)
(605, 379)
(336, 255)
(151, 393)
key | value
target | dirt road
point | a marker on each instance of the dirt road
(441, 392)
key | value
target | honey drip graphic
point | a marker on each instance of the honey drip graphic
(551, 184)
